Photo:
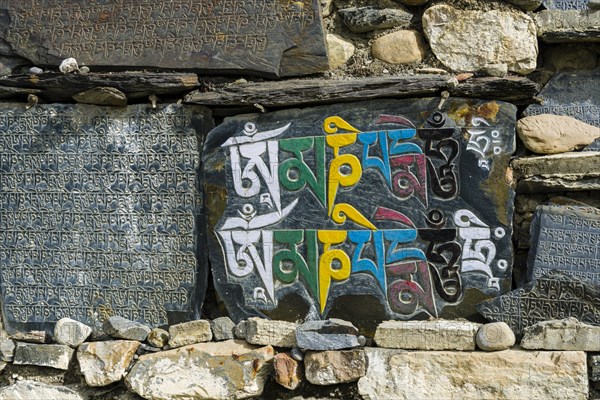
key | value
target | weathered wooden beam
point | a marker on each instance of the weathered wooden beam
(304, 92)
(57, 87)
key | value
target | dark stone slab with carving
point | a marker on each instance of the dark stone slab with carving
(554, 295)
(566, 4)
(267, 37)
(361, 211)
(565, 239)
(99, 214)
(574, 94)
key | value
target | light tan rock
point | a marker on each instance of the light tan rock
(158, 337)
(333, 367)
(264, 332)
(552, 134)
(468, 40)
(189, 333)
(339, 50)
(102, 96)
(502, 375)
(31, 390)
(427, 335)
(103, 363)
(217, 370)
(400, 47)
(288, 372)
(565, 334)
(495, 336)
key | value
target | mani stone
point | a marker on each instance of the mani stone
(222, 328)
(391, 241)
(557, 26)
(335, 367)
(32, 390)
(367, 19)
(554, 295)
(267, 332)
(158, 337)
(551, 134)
(122, 328)
(43, 355)
(427, 335)
(502, 375)
(466, 40)
(330, 334)
(103, 363)
(70, 332)
(565, 334)
(100, 211)
(272, 38)
(495, 336)
(217, 370)
(288, 372)
(566, 4)
(566, 239)
(572, 93)
(189, 333)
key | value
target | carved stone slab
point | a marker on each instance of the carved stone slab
(566, 4)
(98, 214)
(376, 210)
(555, 295)
(268, 37)
(574, 94)
(565, 239)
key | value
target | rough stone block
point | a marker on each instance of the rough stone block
(566, 334)
(331, 334)
(558, 26)
(122, 328)
(335, 367)
(103, 363)
(43, 355)
(427, 335)
(30, 390)
(189, 333)
(267, 332)
(70, 332)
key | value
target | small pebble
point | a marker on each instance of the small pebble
(297, 354)
(385, 71)
(84, 70)
(36, 71)
(68, 65)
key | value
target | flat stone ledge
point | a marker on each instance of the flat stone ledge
(566, 334)
(427, 335)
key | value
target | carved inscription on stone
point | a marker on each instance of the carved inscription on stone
(266, 36)
(567, 240)
(566, 4)
(555, 295)
(98, 213)
(386, 200)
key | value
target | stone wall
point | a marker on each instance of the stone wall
(312, 199)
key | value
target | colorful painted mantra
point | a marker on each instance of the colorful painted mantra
(345, 211)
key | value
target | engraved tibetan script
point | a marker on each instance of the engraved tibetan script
(265, 36)
(98, 213)
(566, 4)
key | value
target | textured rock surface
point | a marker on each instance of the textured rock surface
(558, 26)
(222, 328)
(469, 40)
(551, 134)
(103, 363)
(339, 50)
(70, 332)
(31, 390)
(331, 334)
(122, 328)
(158, 337)
(566, 334)
(427, 335)
(366, 19)
(266, 332)
(570, 57)
(189, 333)
(43, 355)
(288, 372)
(7, 350)
(31, 337)
(400, 47)
(495, 336)
(334, 367)
(594, 362)
(504, 375)
(219, 370)
(102, 96)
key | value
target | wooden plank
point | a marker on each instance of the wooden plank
(58, 87)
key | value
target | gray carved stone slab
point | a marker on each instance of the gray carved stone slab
(566, 4)
(574, 94)
(99, 213)
(565, 239)
(555, 295)
(269, 37)
(361, 211)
